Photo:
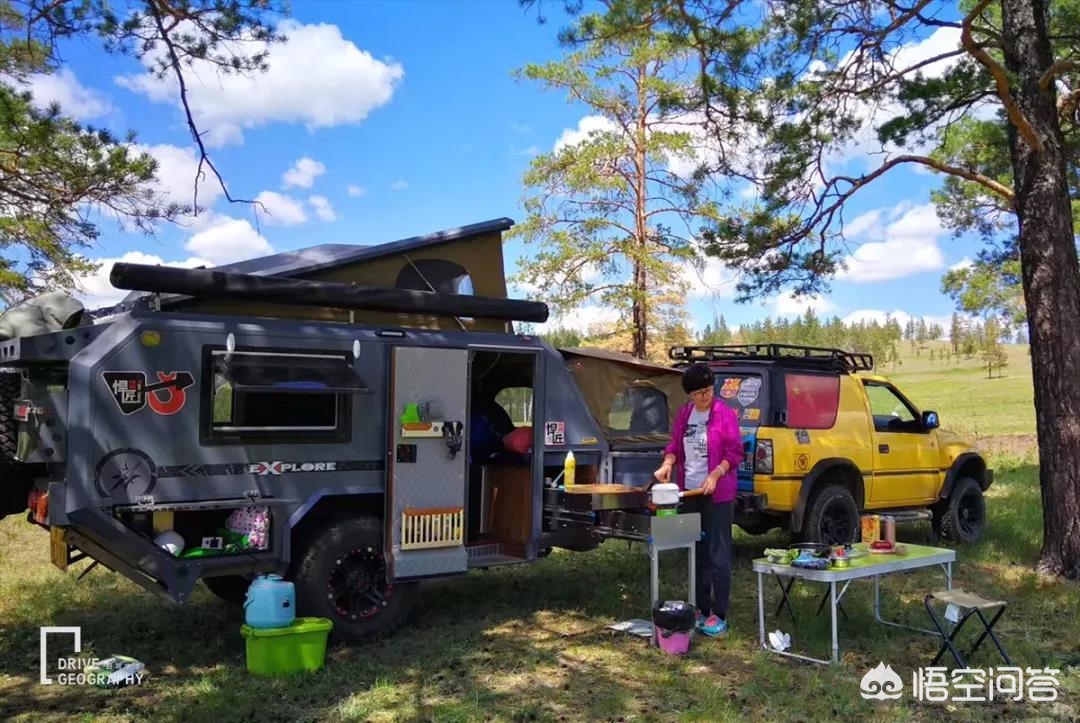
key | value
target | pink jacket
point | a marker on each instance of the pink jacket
(724, 442)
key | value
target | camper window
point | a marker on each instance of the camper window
(260, 396)
(639, 410)
(445, 277)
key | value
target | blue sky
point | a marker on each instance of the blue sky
(383, 120)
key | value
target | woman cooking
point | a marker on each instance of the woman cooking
(706, 448)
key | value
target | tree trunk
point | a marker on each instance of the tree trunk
(640, 311)
(1051, 279)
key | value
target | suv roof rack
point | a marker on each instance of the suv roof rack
(793, 354)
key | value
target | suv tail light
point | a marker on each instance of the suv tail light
(763, 459)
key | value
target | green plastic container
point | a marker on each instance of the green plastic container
(295, 648)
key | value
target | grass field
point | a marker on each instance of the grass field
(529, 643)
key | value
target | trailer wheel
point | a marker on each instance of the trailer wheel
(15, 482)
(342, 576)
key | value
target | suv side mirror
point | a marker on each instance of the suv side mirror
(930, 420)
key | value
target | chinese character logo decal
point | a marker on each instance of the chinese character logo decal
(166, 396)
(881, 683)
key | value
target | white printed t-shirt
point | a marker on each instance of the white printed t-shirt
(695, 449)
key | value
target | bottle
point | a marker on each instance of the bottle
(888, 527)
(569, 467)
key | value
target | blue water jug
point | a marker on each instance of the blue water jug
(270, 602)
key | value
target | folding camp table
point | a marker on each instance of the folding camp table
(868, 566)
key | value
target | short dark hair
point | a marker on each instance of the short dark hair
(697, 376)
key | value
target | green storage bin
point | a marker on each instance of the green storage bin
(295, 648)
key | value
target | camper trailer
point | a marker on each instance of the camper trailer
(356, 418)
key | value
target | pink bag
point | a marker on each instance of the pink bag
(253, 522)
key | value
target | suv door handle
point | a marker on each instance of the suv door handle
(883, 448)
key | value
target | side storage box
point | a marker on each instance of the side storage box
(291, 649)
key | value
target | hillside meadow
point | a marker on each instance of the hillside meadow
(530, 643)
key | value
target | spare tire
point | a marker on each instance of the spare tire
(15, 480)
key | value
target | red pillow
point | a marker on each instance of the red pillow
(519, 441)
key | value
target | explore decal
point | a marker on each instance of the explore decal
(166, 396)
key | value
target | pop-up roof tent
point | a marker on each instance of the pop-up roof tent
(466, 260)
(632, 399)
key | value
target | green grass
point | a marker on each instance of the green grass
(529, 642)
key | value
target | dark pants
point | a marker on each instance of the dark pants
(714, 557)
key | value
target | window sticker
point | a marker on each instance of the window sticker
(730, 387)
(752, 414)
(748, 392)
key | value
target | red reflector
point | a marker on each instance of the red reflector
(22, 412)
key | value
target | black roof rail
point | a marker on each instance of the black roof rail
(794, 354)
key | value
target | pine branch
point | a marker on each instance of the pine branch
(1016, 116)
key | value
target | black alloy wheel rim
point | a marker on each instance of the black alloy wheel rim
(357, 588)
(969, 514)
(836, 525)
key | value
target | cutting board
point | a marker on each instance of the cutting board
(602, 489)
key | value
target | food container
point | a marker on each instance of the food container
(779, 557)
(871, 528)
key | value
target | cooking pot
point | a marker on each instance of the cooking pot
(666, 496)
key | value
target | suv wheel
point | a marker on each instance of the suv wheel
(342, 576)
(832, 517)
(963, 517)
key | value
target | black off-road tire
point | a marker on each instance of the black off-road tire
(230, 588)
(341, 575)
(832, 517)
(15, 480)
(962, 517)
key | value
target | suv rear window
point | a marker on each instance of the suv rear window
(742, 393)
(812, 400)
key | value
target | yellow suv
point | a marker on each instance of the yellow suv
(826, 441)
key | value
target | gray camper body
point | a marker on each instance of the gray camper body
(356, 438)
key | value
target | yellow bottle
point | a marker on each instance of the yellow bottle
(569, 467)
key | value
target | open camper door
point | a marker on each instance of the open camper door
(426, 484)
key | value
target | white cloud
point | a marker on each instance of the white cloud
(908, 245)
(228, 239)
(280, 209)
(399, 185)
(303, 173)
(787, 305)
(317, 78)
(964, 263)
(95, 290)
(587, 126)
(862, 223)
(355, 191)
(876, 315)
(64, 88)
(322, 207)
(528, 152)
(176, 176)
(582, 318)
(714, 280)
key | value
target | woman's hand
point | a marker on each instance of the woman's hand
(663, 474)
(711, 481)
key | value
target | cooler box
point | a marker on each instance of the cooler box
(673, 621)
(293, 648)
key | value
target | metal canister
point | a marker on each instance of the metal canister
(888, 528)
